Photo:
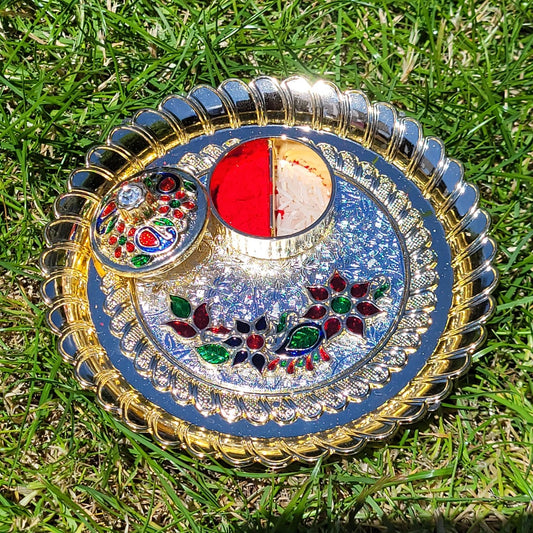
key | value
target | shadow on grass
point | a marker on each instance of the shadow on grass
(521, 523)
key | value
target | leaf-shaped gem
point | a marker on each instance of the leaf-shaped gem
(189, 185)
(323, 354)
(140, 260)
(163, 222)
(368, 309)
(282, 324)
(261, 324)
(332, 326)
(355, 325)
(304, 338)
(290, 368)
(108, 209)
(337, 282)
(233, 342)
(182, 328)
(259, 361)
(301, 340)
(201, 317)
(240, 357)
(273, 364)
(382, 290)
(111, 224)
(180, 306)
(318, 294)
(213, 353)
(219, 330)
(242, 327)
(315, 312)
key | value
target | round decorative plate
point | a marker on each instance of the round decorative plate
(269, 271)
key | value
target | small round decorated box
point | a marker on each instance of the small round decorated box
(149, 223)
(269, 271)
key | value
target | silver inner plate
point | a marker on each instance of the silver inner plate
(362, 245)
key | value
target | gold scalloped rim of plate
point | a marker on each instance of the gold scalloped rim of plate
(322, 106)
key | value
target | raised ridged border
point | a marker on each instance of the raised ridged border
(294, 101)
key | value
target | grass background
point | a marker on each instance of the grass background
(70, 71)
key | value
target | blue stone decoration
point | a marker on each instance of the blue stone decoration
(102, 221)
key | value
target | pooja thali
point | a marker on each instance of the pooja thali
(269, 272)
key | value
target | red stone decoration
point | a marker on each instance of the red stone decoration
(255, 342)
(332, 326)
(108, 209)
(315, 312)
(200, 317)
(167, 184)
(147, 238)
(182, 329)
(359, 290)
(318, 293)
(337, 282)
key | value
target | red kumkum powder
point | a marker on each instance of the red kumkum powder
(241, 188)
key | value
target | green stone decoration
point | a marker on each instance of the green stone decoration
(180, 306)
(148, 182)
(122, 239)
(341, 305)
(189, 186)
(213, 353)
(174, 204)
(111, 225)
(381, 291)
(282, 323)
(163, 222)
(304, 338)
(294, 345)
(140, 260)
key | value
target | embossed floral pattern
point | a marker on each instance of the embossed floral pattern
(295, 341)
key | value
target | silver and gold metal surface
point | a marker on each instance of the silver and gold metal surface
(269, 272)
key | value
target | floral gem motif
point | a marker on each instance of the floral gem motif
(297, 340)
(195, 321)
(248, 339)
(145, 217)
(244, 342)
(341, 306)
